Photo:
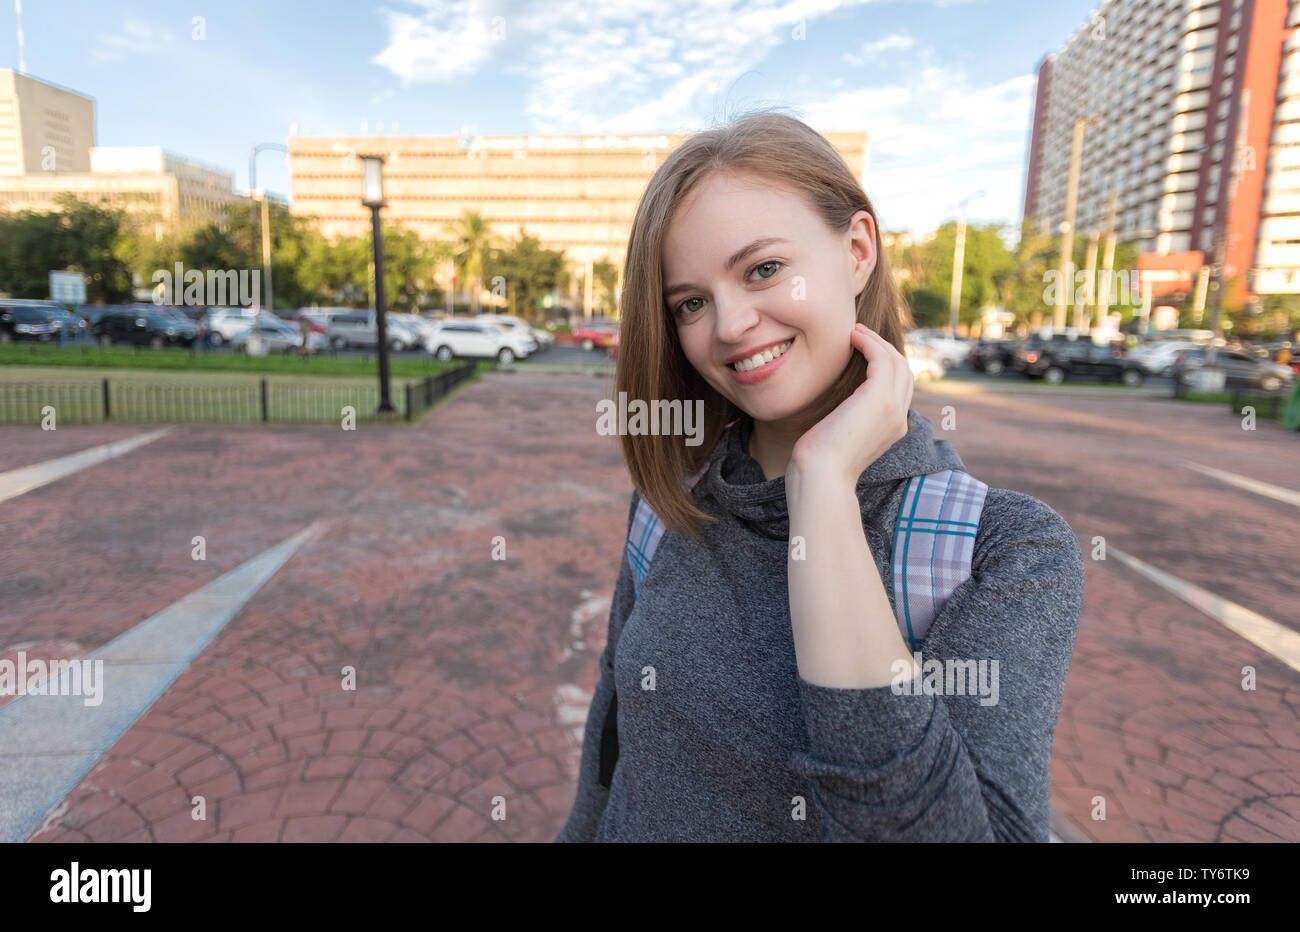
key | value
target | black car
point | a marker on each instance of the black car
(143, 328)
(31, 322)
(993, 356)
(1242, 369)
(1056, 360)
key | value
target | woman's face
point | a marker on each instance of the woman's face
(796, 291)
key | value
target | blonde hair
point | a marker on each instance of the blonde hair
(651, 363)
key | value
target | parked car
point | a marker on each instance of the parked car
(227, 323)
(1158, 358)
(924, 360)
(518, 339)
(1242, 370)
(593, 334)
(143, 328)
(472, 338)
(424, 327)
(950, 351)
(40, 322)
(280, 336)
(361, 328)
(993, 356)
(1056, 360)
(515, 326)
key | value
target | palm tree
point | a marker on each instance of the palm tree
(473, 238)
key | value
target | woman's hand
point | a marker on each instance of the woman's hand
(867, 423)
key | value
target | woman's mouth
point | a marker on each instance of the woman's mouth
(761, 365)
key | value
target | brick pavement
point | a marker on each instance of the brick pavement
(459, 657)
(1154, 717)
(473, 674)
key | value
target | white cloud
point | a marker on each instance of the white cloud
(872, 50)
(450, 39)
(137, 37)
(935, 135)
(934, 138)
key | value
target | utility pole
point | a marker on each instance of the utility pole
(1066, 271)
(958, 265)
(959, 261)
(1108, 263)
(1082, 312)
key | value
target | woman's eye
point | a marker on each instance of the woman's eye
(683, 309)
(763, 265)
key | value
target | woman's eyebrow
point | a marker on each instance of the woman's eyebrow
(739, 256)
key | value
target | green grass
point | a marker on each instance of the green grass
(1215, 398)
(188, 396)
(129, 357)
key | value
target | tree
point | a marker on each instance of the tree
(528, 270)
(472, 241)
(78, 237)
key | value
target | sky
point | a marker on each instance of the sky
(944, 88)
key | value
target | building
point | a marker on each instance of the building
(43, 127)
(47, 147)
(1195, 131)
(574, 193)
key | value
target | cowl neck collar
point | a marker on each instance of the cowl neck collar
(735, 481)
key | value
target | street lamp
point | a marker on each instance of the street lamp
(372, 196)
(252, 216)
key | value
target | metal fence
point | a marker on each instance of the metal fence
(265, 400)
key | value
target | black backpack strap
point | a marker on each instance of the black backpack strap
(609, 743)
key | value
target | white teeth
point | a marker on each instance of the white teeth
(761, 359)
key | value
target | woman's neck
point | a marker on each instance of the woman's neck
(770, 445)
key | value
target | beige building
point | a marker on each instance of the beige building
(43, 127)
(577, 193)
(47, 147)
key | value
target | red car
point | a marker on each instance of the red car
(594, 334)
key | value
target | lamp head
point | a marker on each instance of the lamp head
(372, 180)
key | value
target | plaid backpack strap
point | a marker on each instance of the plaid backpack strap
(934, 542)
(643, 537)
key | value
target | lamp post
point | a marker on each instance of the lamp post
(372, 196)
(252, 215)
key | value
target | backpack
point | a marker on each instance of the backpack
(934, 543)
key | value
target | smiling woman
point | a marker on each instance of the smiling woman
(823, 628)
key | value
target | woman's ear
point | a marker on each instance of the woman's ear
(862, 249)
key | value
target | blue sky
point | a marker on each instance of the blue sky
(944, 87)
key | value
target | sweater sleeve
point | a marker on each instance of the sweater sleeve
(589, 803)
(922, 765)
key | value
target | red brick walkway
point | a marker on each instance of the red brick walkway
(473, 674)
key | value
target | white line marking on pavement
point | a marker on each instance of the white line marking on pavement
(48, 743)
(17, 481)
(1278, 640)
(1278, 492)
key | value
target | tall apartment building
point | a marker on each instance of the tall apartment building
(576, 193)
(1195, 127)
(47, 147)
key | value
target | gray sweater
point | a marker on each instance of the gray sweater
(732, 744)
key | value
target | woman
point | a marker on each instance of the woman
(756, 684)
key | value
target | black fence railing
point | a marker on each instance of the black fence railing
(236, 402)
(422, 395)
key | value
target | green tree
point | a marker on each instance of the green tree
(77, 237)
(472, 239)
(527, 271)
